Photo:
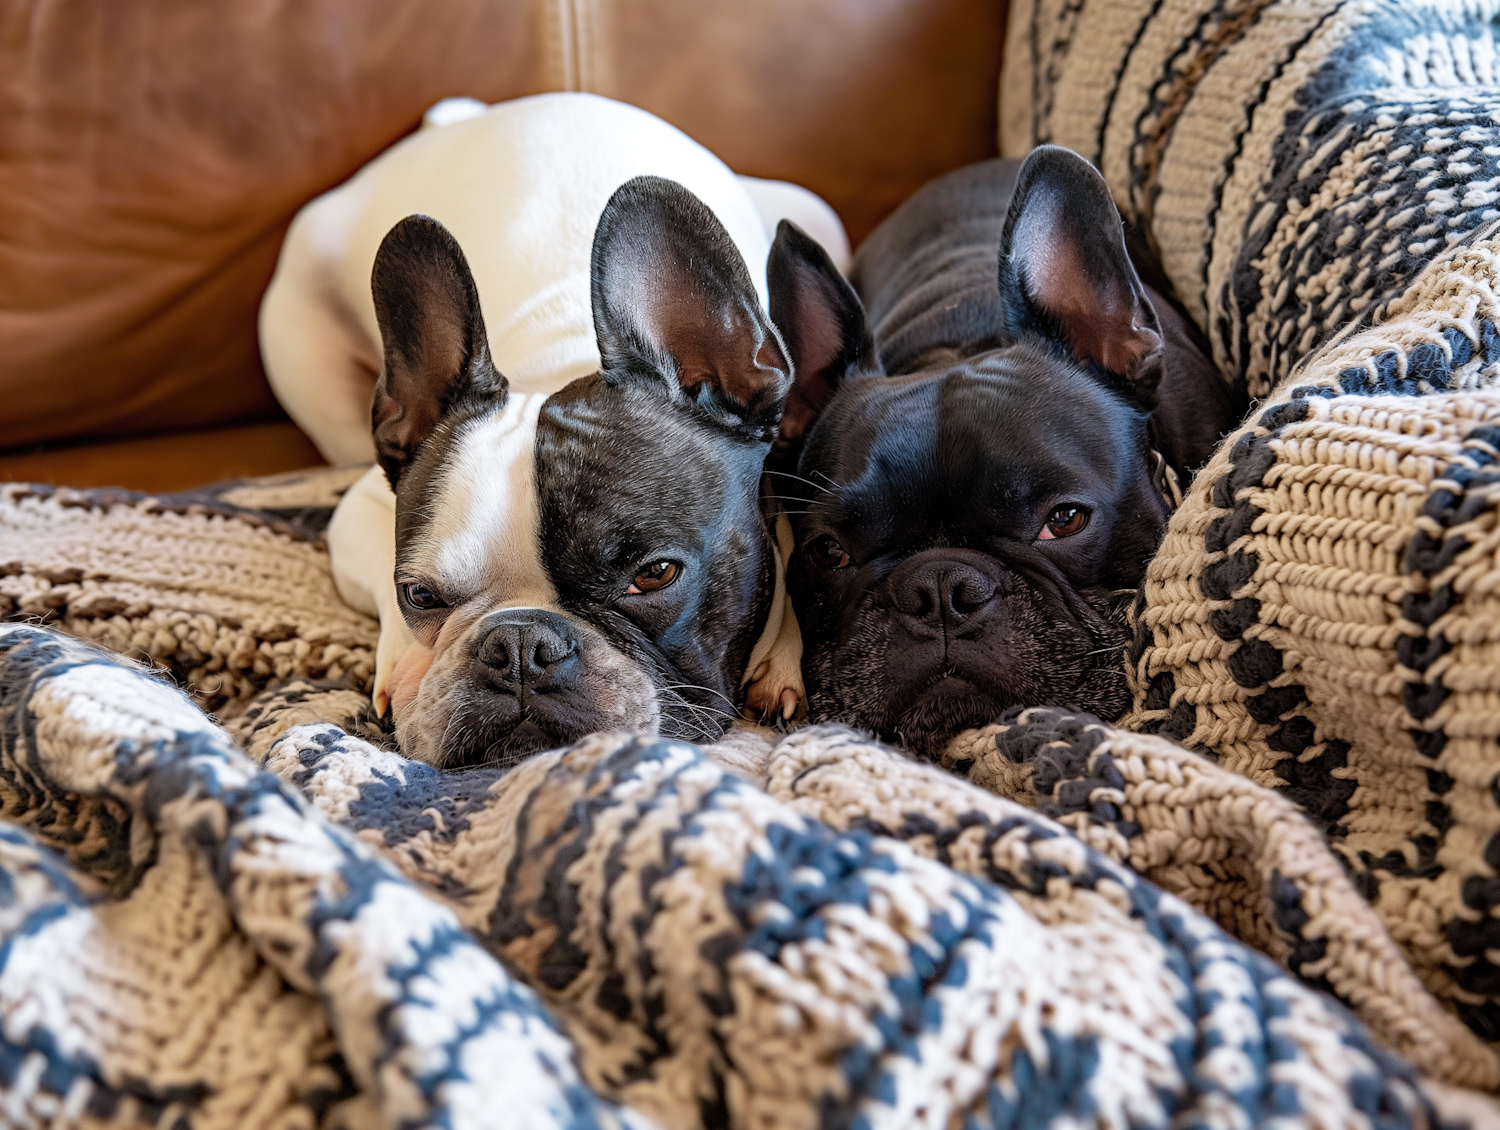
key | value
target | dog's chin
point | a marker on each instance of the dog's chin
(953, 702)
(948, 707)
(474, 740)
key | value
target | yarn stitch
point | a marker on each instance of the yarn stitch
(1194, 841)
(1320, 180)
(708, 951)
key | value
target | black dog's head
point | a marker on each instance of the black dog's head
(594, 559)
(971, 527)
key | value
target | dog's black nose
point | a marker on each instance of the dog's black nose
(942, 593)
(527, 650)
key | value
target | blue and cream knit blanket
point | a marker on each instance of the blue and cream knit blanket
(623, 933)
(1321, 181)
(1272, 900)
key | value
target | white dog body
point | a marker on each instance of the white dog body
(521, 186)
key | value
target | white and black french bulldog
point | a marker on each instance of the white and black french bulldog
(979, 450)
(597, 559)
(575, 385)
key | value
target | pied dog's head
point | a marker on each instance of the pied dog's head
(594, 559)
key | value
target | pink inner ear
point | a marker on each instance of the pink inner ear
(820, 338)
(717, 351)
(1100, 320)
(818, 324)
(421, 376)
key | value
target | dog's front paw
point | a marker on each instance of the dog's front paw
(774, 692)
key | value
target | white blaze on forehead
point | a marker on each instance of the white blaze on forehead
(482, 539)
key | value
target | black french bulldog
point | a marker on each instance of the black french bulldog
(980, 449)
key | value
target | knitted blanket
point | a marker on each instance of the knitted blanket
(846, 936)
(620, 934)
(227, 591)
(1320, 180)
(1054, 930)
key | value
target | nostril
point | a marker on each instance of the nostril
(497, 650)
(547, 651)
(552, 649)
(970, 594)
(925, 604)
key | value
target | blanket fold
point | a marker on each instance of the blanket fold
(867, 941)
(1242, 854)
(1320, 181)
(240, 962)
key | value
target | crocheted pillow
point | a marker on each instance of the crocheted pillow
(1320, 181)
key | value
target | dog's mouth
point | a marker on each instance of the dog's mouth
(520, 683)
(474, 741)
(951, 703)
(485, 737)
(923, 707)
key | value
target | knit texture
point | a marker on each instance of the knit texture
(623, 933)
(1202, 839)
(1320, 180)
(227, 589)
(823, 994)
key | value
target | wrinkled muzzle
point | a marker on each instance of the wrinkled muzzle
(951, 638)
(518, 681)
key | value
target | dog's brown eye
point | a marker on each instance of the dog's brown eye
(655, 577)
(1064, 522)
(828, 554)
(421, 597)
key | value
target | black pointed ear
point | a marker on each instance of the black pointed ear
(673, 302)
(823, 323)
(437, 355)
(1065, 274)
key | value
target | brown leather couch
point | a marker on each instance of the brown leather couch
(152, 153)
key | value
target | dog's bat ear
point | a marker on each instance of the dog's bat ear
(1065, 273)
(823, 323)
(673, 302)
(437, 355)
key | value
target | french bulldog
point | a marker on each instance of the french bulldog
(981, 454)
(575, 387)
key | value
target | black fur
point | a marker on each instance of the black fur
(437, 355)
(1018, 362)
(658, 457)
(633, 476)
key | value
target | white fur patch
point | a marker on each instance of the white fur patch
(362, 553)
(482, 538)
(521, 186)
